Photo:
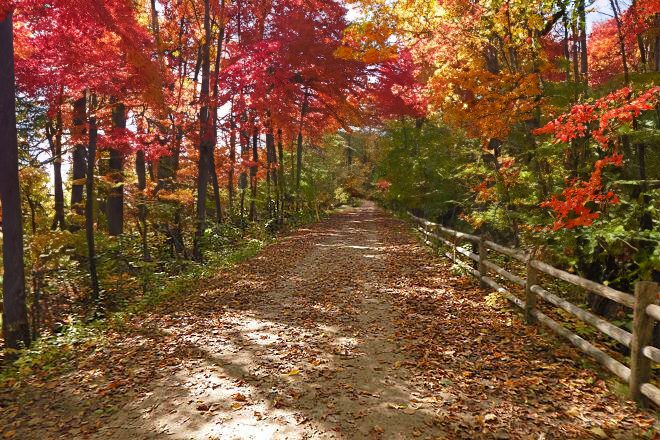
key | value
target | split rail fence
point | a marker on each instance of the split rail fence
(644, 304)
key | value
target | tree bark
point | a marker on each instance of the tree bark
(272, 171)
(15, 326)
(79, 155)
(232, 163)
(216, 189)
(216, 91)
(299, 149)
(115, 205)
(280, 172)
(253, 173)
(89, 208)
(244, 139)
(622, 44)
(55, 141)
(141, 172)
(584, 61)
(206, 135)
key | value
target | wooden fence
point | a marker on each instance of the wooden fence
(644, 304)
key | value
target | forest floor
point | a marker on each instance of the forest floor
(347, 329)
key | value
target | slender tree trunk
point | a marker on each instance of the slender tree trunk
(622, 42)
(216, 189)
(243, 178)
(55, 141)
(115, 205)
(643, 54)
(141, 172)
(216, 91)
(89, 207)
(272, 172)
(79, 155)
(15, 327)
(576, 63)
(253, 173)
(584, 63)
(566, 50)
(168, 166)
(232, 163)
(299, 149)
(167, 169)
(293, 167)
(155, 28)
(206, 135)
(280, 172)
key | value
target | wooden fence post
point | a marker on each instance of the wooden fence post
(483, 257)
(640, 366)
(530, 297)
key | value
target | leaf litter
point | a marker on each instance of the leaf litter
(347, 329)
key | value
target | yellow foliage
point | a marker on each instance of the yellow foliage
(182, 196)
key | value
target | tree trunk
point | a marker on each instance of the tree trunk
(280, 172)
(584, 63)
(272, 171)
(79, 155)
(216, 189)
(243, 178)
(622, 44)
(206, 135)
(55, 141)
(216, 91)
(115, 205)
(232, 164)
(89, 208)
(141, 172)
(566, 50)
(168, 166)
(299, 149)
(15, 327)
(253, 173)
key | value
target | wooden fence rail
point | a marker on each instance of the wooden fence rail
(646, 311)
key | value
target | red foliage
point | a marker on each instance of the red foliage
(574, 207)
(605, 60)
(600, 120)
(398, 92)
(383, 185)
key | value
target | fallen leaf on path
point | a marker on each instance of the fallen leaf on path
(490, 418)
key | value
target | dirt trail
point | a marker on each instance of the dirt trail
(347, 330)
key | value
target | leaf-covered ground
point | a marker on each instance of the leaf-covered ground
(349, 329)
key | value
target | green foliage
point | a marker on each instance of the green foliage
(422, 167)
(51, 352)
